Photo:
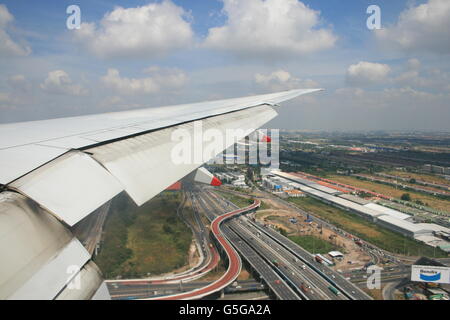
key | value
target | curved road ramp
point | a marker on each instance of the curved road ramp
(234, 261)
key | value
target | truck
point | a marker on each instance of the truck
(304, 288)
(334, 290)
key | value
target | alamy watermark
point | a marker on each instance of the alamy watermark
(374, 20)
(199, 146)
(74, 19)
(73, 277)
(374, 278)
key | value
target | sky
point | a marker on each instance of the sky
(138, 54)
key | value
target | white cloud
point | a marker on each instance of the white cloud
(367, 73)
(413, 78)
(389, 98)
(282, 80)
(111, 101)
(148, 31)
(422, 28)
(8, 47)
(10, 101)
(270, 28)
(59, 82)
(417, 76)
(160, 79)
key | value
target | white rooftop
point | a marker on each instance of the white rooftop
(403, 224)
(434, 227)
(388, 211)
(335, 254)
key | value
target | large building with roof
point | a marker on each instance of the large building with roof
(388, 211)
(406, 228)
(387, 217)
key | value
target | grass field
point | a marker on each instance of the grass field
(379, 236)
(428, 200)
(150, 239)
(265, 206)
(241, 202)
(420, 176)
(281, 220)
(313, 244)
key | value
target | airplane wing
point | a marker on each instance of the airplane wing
(54, 173)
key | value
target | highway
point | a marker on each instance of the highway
(322, 275)
(276, 284)
(304, 280)
(121, 291)
(234, 261)
(314, 287)
(387, 275)
(332, 277)
(276, 257)
(288, 271)
(278, 287)
(377, 254)
(89, 231)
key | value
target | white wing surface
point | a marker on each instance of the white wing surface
(54, 173)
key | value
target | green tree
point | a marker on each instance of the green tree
(283, 232)
(406, 197)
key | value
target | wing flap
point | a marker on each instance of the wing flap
(16, 162)
(29, 239)
(70, 187)
(87, 284)
(145, 165)
(55, 275)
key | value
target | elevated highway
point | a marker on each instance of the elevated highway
(234, 261)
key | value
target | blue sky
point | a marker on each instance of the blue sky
(135, 54)
(347, 17)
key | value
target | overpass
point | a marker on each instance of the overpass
(234, 261)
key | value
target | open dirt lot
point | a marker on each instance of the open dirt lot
(278, 217)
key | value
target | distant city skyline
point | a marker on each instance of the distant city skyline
(137, 54)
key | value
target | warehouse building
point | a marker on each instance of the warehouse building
(404, 227)
(389, 218)
(355, 199)
(388, 211)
